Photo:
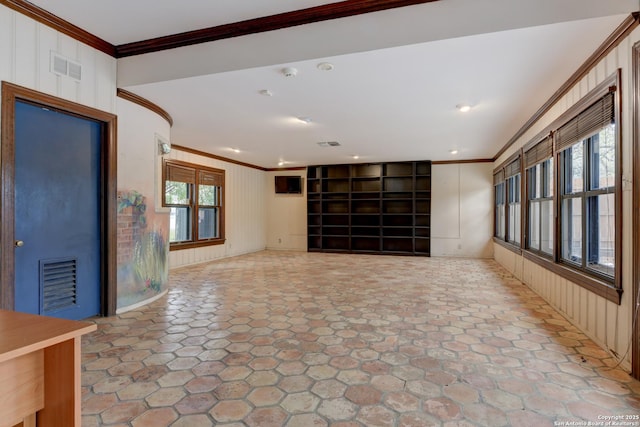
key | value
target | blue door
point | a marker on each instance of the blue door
(57, 213)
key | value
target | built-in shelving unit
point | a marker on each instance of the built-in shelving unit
(370, 208)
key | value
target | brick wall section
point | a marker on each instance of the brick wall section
(129, 232)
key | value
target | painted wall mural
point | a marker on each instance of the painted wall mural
(143, 249)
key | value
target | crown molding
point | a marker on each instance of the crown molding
(461, 161)
(215, 157)
(143, 102)
(278, 21)
(296, 168)
(59, 24)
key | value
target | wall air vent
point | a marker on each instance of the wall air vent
(58, 65)
(75, 71)
(329, 144)
(65, 67)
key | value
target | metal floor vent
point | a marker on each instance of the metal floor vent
(58, 282)
(329, 144)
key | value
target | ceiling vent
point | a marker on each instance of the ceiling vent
(65, 67)
(329, 144)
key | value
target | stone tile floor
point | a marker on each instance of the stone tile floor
(299, 339)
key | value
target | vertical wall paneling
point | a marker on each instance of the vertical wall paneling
(25, 48)
(609, 330)
(598, 305)
(558, 284)
(25, 52)
(581, 308)
(87, 90)
(286, 214)
(6, 44)
(105, 90)
(446, 196)
(47, 42)
(67, 47)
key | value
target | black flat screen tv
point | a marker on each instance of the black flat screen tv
(288, 185)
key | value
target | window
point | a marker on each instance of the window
(499, 209)
(588, 203)
(540, 185)
(513, 206)
(195, 196)
(508, 210)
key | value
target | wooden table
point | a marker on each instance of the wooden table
(40, 362)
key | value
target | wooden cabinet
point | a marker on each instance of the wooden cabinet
(370, 208)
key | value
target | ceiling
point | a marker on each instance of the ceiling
(397, 74)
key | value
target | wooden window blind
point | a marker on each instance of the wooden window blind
(588, 122)
(540, 152)
(512, 168)
(211, 178)
(179, 173)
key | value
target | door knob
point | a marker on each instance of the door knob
(19, 243)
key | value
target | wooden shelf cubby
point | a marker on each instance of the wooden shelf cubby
(370, 208)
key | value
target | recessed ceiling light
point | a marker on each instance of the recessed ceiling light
(266, 92)
(453, 152)
(356, 157)
(325, 66)
(463, 107)
(305, 120)
(281, 163)
(236, 150)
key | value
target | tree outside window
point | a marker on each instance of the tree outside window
(588, 203)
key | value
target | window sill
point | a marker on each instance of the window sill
(191, 245)
(507, 245)
(599, 287)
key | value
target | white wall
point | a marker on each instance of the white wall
(245, 212)
(146, 242)
(25, 49)
(462, 210)
(606, 323)
(286, 215)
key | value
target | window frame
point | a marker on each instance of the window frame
(584, 195)
(546, 194)
(499, 197)
(513, 189)
(200, 173)
(503, 178)
(607, 287)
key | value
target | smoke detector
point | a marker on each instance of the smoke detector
(329, 144)
(289, 72)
